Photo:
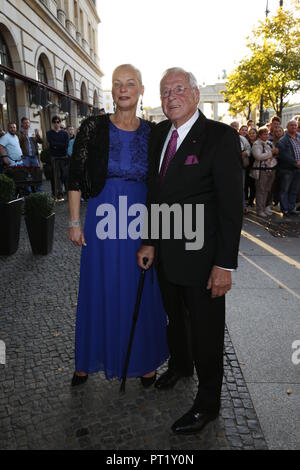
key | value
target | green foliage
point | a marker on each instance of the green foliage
(7, 189)
(272, 68)
(39, 205)
(241, 92)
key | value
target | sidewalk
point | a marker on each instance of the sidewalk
(38, 408)
(263, 320)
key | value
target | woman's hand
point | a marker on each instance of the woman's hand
(75, 234)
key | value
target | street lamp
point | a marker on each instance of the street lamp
(261, 106)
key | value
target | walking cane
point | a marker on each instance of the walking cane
(134, 320)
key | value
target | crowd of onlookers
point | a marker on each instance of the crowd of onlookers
(21, 149)
(271, 165)
(270, 159)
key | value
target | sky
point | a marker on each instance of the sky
(202, 36)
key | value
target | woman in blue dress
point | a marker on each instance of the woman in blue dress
(109, 167)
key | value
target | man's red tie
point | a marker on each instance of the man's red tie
(169, 154)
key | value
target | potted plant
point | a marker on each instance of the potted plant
(10, 216)
(39, 218)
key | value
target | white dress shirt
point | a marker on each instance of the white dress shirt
(182, 133)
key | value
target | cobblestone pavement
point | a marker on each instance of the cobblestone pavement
(277, 225)
(39, 409)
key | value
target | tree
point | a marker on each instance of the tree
(272, 67)
(241, 90)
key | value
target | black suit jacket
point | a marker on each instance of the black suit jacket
(216, 182)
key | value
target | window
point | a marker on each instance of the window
(4, 53)
(66, 85)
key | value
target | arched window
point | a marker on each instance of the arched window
(41, 71)
(95, 99)
(83, 92)
(4, 53)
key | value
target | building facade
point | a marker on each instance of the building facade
(49, 61)
(289, 112)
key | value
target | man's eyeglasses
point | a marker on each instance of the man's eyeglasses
(178, 90)
(56, 122)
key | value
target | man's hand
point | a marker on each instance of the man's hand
(145, 252)
(219, 281)
(76, 236)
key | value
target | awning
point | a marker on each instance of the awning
(12, 73)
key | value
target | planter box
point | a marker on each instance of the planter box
(10, 222)
(40, 231)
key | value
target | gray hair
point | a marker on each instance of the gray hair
(191, 78)
(290, 122)
(138, 73)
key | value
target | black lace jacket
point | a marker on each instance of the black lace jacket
(88, 164)
(89, 161)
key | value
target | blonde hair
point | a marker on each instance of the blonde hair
(262, 130)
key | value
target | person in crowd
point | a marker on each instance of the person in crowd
(194, 161)
(109, 162)
(275, 123)
(250, 124)
(71, 131)
(289, 168)
(265, 163)
(29, 146)
(2, 132)
(243, 131)
(235, 125)
(246, 151)
(249, 182)
(58, 140)
(274, 194)
(10, 149)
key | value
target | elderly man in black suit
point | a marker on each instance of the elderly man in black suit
(194, 162)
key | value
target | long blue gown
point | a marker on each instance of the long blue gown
(109, 274)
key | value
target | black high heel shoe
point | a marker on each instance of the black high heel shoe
(78, 379)
(148, 381)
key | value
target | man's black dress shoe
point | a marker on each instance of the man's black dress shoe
(193, 422)
(168, 379)
(78, 379)
(148, 381)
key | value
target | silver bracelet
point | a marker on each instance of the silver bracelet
(74, 223)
